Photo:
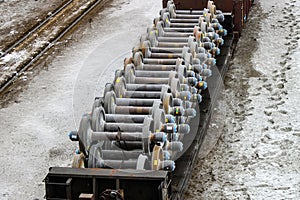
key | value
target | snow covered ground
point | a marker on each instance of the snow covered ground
(257, 155)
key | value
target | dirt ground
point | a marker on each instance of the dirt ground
(257, 155)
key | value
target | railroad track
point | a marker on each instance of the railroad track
(34, 44)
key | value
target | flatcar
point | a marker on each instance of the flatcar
(142, 138)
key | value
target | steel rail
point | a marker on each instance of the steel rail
(32, 31)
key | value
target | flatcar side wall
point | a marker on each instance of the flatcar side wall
(189, 4)
(224, 5)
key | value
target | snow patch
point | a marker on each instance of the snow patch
(13, 57)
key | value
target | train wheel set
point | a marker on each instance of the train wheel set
(138, 139)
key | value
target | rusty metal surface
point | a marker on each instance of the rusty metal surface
(195, 5)
(107, 173)
(239, 8)
(224, 5)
